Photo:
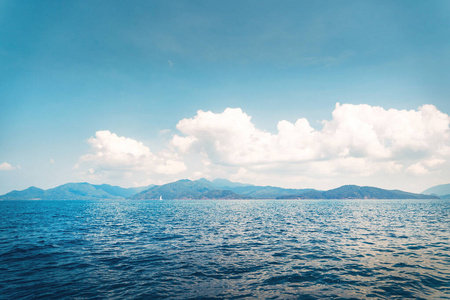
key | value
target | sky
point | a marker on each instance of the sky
(302, 94)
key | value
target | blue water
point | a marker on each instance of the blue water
(295, 249)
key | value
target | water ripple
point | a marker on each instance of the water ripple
(346, 249)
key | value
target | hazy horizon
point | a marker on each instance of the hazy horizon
(210, 180)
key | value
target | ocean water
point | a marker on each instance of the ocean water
(251, 249)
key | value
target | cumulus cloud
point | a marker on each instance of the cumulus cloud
(117, 156)
(426, 166)
(359, 141)
(110, 150)
(356, 131)
(363, 130)
(7, 167)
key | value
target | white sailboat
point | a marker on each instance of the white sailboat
(160, 197)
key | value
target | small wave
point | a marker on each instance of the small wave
(208, 249)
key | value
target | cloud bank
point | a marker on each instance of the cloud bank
(359, 142)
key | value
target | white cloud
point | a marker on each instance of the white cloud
(110, 150)
(117, 157)
(7, 167)
(417, 169)
(164, 131)
(426, 166)
(358, 131)
(360, 142)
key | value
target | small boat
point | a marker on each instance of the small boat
(160, 197)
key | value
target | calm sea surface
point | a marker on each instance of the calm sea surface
(295, 249)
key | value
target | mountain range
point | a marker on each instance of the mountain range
(215, 189)
(442, 191)
(74, 191)
(187, 189)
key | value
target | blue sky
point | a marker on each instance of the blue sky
(70, 69)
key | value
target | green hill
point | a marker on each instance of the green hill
(361, 192)
(31, 193)
(357, 192)
(267, 192)
(73, 191)
(204, 189)
(187, 189)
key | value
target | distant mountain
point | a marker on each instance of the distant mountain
(344, 192)
(76, 191)
(187, 189)
(440, 190)
(73, 191)
(268, 192)
(225, 183)
(361, 192)
(31, 193)
(256, 192)
(358, 192)
(121, 192)
(204, 189)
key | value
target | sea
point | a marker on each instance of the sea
(225, 249)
